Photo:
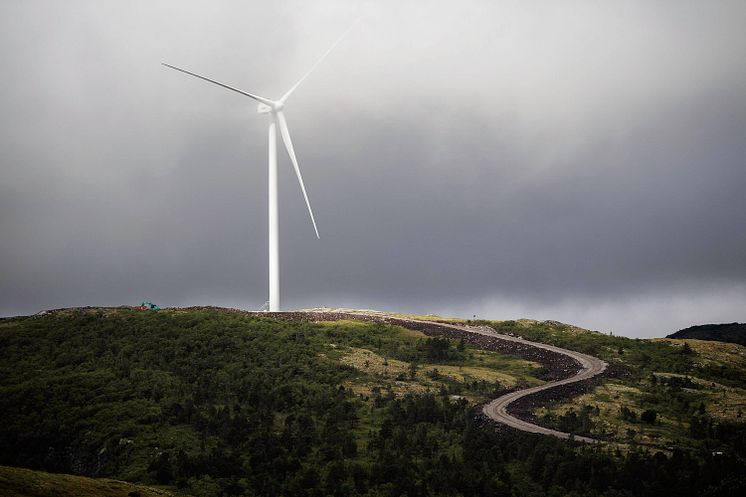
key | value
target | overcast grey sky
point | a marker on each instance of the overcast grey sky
(581, 161)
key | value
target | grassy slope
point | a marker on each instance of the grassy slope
(19, 482)
(388, 365)
(489, 370)
(160, 394)
(104, 391)
(716, 372)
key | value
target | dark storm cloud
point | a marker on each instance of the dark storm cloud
(582, 162)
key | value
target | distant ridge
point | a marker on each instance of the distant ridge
(729, 332)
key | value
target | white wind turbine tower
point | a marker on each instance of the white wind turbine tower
(274, 108)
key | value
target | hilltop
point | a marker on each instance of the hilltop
(731, 332)
(224, 402)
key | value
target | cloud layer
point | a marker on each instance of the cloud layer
(583, 162)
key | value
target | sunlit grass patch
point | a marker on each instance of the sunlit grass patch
(475, 383)
(372, 363)
(20, 482)
(471, 373)
(712, 352)
(720, 401)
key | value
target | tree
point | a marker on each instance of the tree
(413, 370)
(627, 414)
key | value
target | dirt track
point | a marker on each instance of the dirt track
(497, 410)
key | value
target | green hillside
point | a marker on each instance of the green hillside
(217, 402)
(664, 394)
(730, 332)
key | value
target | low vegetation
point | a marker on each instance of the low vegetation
(19, 482)
(667, 393)
(640, 358)
(214, 402)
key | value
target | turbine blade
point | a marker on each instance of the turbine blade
(285, 133)
(263, 100)
(296, 85)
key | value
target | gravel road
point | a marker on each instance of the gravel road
(497, 409)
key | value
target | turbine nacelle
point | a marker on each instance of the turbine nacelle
(276, 106)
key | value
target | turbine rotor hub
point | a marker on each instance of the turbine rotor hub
(276, 106)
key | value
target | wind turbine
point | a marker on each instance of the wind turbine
(274, 109)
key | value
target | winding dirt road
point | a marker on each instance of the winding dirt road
(497, 410)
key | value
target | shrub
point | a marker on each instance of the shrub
(648, 416)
